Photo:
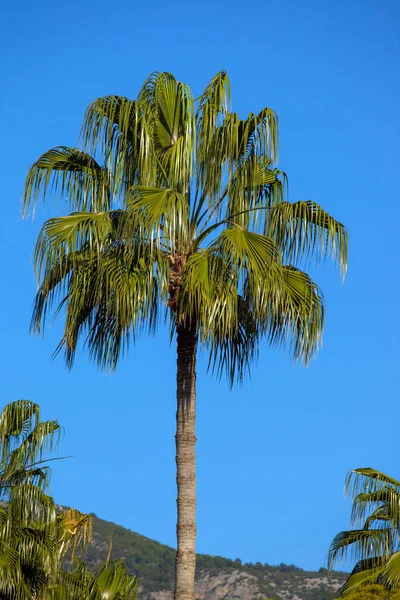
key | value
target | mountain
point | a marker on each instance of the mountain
(217, 578)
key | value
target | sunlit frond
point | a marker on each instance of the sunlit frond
(213, 105)
(72, 177)
(376, 509)
(74, 529)
(61, 239)
(171, 115)
(162, 216)
(303, 230)
(253, 188)
(365, 572)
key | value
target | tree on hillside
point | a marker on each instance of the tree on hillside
(375, 540)
(178, 211)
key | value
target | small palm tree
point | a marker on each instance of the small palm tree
(179, 211)
(109, 580)
(33, 537)
(27, 513)
(375, 540)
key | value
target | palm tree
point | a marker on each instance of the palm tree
(33, 537)
(375, 540)
(109, 580)
(27, 513)
(178, 210)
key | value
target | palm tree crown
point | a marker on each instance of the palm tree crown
(375, 540)
(179, 206)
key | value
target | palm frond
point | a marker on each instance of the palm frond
(365, 572)
(360, 544)
(368, 480)
(232, 352)
(303, 230)
(162, 216)
(71, 175)
(364, 503)
(171, 108)
(61, 238)
(213, 105)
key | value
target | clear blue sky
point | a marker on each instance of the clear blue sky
(272, 456)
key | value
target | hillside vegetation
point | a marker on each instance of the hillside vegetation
(216, 577)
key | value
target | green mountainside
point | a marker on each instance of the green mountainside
(217, 578)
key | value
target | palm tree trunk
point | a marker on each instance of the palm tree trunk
(185, 564)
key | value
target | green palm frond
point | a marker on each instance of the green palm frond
(170, 106)
(107, 304)
(303, 230)
(232, 352)
(368, 480)
(61, 238)
(386, 499)
(358, 544)
(113, 582)
(365, 572)
(162, 215)
(72, 175)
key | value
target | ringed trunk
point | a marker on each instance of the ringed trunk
(185, 563)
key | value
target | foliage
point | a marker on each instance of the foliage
(374, 540)
(27, 514)
(109, 580)
(373, 592)
(179, 209)
(34, 537)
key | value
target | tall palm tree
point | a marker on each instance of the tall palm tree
(375, 540)
(179, 211)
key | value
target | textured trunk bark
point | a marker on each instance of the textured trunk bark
(185, 564)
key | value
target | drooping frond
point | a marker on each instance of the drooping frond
(368, 480)
(74, 529)
(121, 132)
(233, 352)
(303, 230)
(237, 292)
(366, 503)
(71, 176)
(358, 544)
(108, 299)
(296, 320)
(61, 238)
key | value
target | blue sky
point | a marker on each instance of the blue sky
(272, 455)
